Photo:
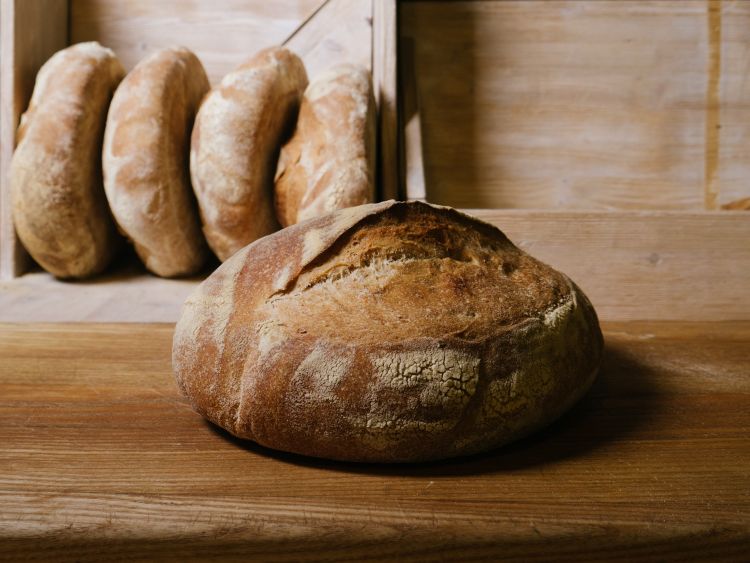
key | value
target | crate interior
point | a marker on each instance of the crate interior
(596, 105)
(223, 33)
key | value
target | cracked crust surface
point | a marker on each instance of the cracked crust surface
(235, 143)
(386, 332)
(329, 162)
(59, 207)
(145, 160)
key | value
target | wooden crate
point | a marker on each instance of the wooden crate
(601, 136)
(222, 33)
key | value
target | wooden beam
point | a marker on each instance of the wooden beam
(30, 32)
(412, 154)
(385, 82)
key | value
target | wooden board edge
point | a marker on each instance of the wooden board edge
(634, 266)
(8, 240)
(385, 85)
(21, 55)
(305, 21)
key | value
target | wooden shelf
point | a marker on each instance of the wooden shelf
(632, 265)
(126, 294)
(101, 458)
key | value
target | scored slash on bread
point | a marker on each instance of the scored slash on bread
(388, 332)
(145, 161)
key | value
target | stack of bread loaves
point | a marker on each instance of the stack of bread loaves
(179, 169)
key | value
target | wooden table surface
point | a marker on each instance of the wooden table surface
(101, 458)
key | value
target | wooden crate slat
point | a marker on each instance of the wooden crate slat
(633, 265)
(385, 82)
(583, 105)
(30, 32)
(339, 32)
(643, 265)
(223, 33)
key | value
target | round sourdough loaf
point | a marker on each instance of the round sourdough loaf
(329, 163)
(235, 144)
(59, 208)
(390, 332)
(145, 161)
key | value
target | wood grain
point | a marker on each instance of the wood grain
(415, 181)
(583, 105)
(633, 265)
(223, 33)
(124, 293)
(385, 83)
(22, 52)
(340, 32)
(643, 265)
(101, 459)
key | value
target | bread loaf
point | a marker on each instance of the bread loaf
(59, 208)
(145, 160)
(235, 145)
(389, 332)
(329, 163)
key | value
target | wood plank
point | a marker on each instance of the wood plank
(21, 54)
(415, 182)
(643, 265)
(582, 105)
(100, 458)
(223, 33)
(385, 80)
(734, 92)
(125, 293)
(340, 32)
(633, 265)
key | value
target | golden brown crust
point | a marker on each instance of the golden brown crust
(146, 175)
(329, 162)
(59, 208)
(387, 332)
(237, 135)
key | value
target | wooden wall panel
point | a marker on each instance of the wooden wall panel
(223, 33)
(643, 265)
(580, 104)
(734, 87)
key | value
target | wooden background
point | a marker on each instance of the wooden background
(596, 105)
(223, 33)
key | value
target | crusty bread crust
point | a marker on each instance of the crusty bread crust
(389, 332)
(235, 144)
(329, 163)
(59, 208)
(145, 161)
